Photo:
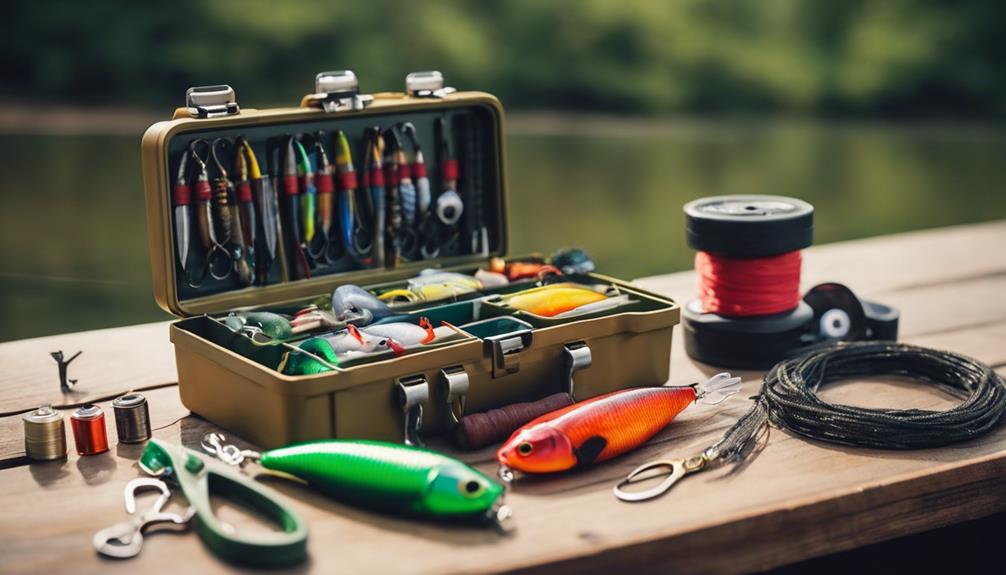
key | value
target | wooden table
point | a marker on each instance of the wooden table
(796, 500)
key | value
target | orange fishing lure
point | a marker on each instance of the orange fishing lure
(604, 427)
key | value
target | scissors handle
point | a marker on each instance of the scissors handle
(197, 476)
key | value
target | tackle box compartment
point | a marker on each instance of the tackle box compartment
(507, 357)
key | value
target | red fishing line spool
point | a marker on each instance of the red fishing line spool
(89, 433)
(749, 313)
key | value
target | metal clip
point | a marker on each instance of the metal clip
(338, 90)
(577, 356)
(427, 84)
(505, 348)
(455, 389)
(211, 101)
(413, 391)
(674, 469)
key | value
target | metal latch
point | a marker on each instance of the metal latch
(413, 391)
(455, 390)
(337, 90)
(427, 84)
(505, 351)
(211, 101)
(577, 356)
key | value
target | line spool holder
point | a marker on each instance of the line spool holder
(749, 314)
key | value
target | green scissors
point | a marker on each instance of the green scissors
(197, 476)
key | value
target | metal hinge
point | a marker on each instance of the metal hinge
(577, 356)
(413, 392)
(336, 91)
(427, 84)
(505, 351)
(211, 101)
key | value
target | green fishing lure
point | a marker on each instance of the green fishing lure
(385, 476)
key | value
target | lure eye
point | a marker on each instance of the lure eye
(525, 448)
(383, 343)
(471, 488)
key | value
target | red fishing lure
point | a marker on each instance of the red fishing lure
(605, 426)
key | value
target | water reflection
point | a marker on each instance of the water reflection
(75, 250)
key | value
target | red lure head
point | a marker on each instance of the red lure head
(538, 449)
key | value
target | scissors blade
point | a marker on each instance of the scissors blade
(182, 234)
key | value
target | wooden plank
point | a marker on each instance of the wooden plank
(796, 500)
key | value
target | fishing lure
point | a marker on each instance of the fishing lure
(519, 270)
(449, 204)
(425, 228)
(308, 194)
(229, 218)
(277, 327)
(375, 183)
(291, 189)
(391, 147)
(603, 427)
(217, 257)
(355, 239)
(347, 344)
(407, 333)
(559, 299)
(432, 285)
(266, 205)
(350, 304)
(383, 476)
(324, 181)
(573, 261)
(181, 197)
(245, 207)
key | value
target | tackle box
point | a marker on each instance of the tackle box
(502, 356)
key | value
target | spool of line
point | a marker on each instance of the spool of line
(749, 312)
(89, 434)
(481, 429)
(44, 434)
(132, 418)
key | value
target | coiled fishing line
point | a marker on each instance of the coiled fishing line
(789, 399)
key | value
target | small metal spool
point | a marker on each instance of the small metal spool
(44, 434)
(132, 418)
(89, 434)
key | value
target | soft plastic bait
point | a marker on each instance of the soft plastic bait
(385, 476)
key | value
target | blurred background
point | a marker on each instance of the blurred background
(887, 116)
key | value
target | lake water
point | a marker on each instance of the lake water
(74, 254)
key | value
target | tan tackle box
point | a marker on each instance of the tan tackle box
(501, 358)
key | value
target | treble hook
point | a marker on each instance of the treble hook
(204, 217)
(675, 469)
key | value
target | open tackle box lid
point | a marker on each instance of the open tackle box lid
(336, 104)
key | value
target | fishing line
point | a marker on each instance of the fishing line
(739, 287)
(789, 399)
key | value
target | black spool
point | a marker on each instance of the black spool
(749, 226)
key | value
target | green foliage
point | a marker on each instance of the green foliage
(824, 56)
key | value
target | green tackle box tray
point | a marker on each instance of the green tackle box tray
(224, 377)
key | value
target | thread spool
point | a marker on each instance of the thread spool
(89, 434)
(132, 418)
(749, 313)
(481, 429)
(44, 434)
